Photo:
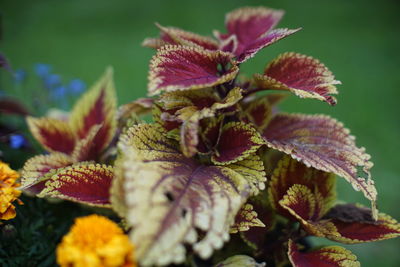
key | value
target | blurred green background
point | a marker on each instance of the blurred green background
(358, 40)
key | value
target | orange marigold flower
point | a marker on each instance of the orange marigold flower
(95, 241)
(8, 191)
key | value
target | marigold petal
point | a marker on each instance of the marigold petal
(8, 191)
(97, 242)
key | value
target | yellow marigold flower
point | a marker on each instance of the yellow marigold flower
(8, 191)
(95, 241)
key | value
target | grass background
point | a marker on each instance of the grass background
(358, 40)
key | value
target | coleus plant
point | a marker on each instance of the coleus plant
(218, 161)
(76, 145)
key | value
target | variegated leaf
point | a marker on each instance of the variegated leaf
(252, 169)
(290, 172)
(166, 119)
(205, 101)
(83, 182)
(239, 261)
(190, 107)
(39, 168)
(250, 23)
(237, 141)
(229, 100)
(138, 107)
(189, 138)
(181, 105)
(54, 135)
(322, 143)
(85, 148)
(346, 223)
(303, 75)
(263, 41)
(303, 204)
(354, 224)
(118, 197)
(250, 29)
(192, 116)
(245, 219)
(178, 36)
(184, 103)
(97, 106)
(182, 68)
(209, 134)
(256, 237)
(169, 196)
(258, 112)
(332, 256)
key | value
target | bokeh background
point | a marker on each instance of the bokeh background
(358, 40)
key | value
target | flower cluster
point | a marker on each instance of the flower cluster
(53, 83)
(219, 159)
(8, 191)
(97, 242)
(51, 91)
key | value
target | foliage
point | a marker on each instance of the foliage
(31, 238)
(219, 161)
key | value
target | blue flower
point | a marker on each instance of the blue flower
(58, 92)
(20, 75)
(76, 86)
(17, 141)
(42, 70)
(52, 80)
